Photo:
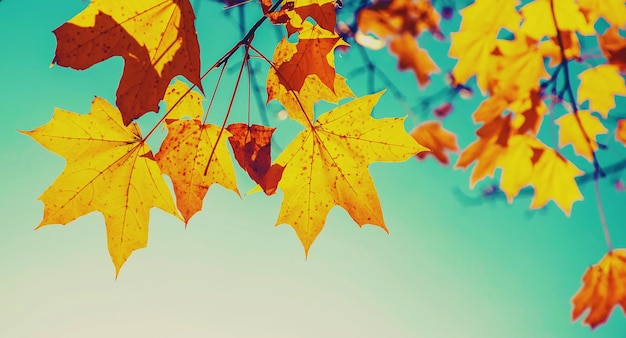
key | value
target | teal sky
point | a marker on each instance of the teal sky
(446, 270)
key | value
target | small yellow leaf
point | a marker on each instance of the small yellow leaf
(599, 85)
(570, 132)
(554, 178)
(190, 105)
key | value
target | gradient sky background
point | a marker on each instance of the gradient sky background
(446, 270)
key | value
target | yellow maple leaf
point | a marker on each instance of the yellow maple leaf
(156, 38)
(570, 132)
(599, 85)
(184, 156)
(189, 105)
(554, 178)
(326, 165)
(490, 16)
(109, 169)
(613, 11)
(476, 40)
(512, 58)
(539, 22)
(299, 103)
(516, 164)
(473, 49)
(604, 287)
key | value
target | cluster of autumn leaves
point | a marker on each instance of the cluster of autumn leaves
(510, 69)
(112, 170)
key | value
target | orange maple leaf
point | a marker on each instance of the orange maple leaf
(156, 38)
(604, 287)
(411, 56)
(299, 103)
(314, 56)
(195, 157)
(570, 132)
(599, 85)
(431, 135)
(396, 17)
(322, 11)
(551, 49)
(326, 165)
(109, 169)
(620, 131)
(492, 141)
(252, 147)
(613, 47)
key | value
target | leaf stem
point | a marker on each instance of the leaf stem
(230, 106)
(597, 170)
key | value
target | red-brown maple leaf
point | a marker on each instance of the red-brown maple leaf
(156, 38)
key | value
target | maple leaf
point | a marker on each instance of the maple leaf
(322, 11)
(554, 178)
(490, 108)
(599, 85)
(476, 40)
(411, 56)
(299, 103)
(490, 16)
(473, 51)
(518, 56)
(613, 47)
(570, 132)
(516, 164)
(491, 143)
(539, 22)
(109, 169)
(529, 111)
(178, 105)
(195, 157)
(156, 38)
(551, 49)
(314, 55)
(604, 287)
(397, 17)
(620, 131)
(431, 135)
(326, 165)
(252, 147)
(613, 11)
